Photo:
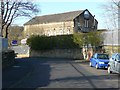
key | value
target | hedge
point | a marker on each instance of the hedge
(37, 42)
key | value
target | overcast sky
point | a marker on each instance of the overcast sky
(60, 6)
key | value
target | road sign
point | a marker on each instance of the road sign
(24, 41)
(14, 42)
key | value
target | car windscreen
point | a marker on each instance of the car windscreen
(103, 56)
(118, 57)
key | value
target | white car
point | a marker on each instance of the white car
(114, 63)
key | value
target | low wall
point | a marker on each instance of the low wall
(8, 58)
(112, 49)
(58, 53)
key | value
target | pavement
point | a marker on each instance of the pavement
(18, 71)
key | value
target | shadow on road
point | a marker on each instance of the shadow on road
(87, 78)
(26, 73)
(34, 73)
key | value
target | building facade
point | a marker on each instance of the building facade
(111, 41)
(85, 22)
(60, 24)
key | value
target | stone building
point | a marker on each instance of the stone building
(85, 22)
(60, 24)
(111, 41)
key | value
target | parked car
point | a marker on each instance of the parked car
(99, 60)
(114, 63)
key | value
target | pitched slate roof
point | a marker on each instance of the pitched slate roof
(67, 16)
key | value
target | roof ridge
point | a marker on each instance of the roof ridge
(59, 17)
(61, 13)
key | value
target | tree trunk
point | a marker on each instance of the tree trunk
(6, 30)
(2, 13)
(6, 36)
(1, 33)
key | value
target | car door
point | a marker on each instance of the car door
(94, 59)
(112, 62)
(117, 64)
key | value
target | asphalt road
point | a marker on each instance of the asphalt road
(38, 73)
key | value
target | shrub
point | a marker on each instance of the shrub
(37, 42)
(92, 38)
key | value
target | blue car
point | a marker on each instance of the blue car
(99, 60)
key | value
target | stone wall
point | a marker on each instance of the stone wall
(49, 29)
(59, 53)
(82, 25)
(111, 49)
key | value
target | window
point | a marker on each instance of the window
(86, 23)
(103, 56)
(93, 56)
(117, 57)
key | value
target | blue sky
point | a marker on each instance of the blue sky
(53, 7)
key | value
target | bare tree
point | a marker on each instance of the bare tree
(11, 9)
(111, 14)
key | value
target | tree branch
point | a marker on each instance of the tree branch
(116, 3)
(7, 8)
(10, 13)
(11, 9)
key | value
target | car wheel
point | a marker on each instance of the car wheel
(109, 71)
(96, 66)
(90, 64)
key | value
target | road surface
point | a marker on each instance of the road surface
(38, 73)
